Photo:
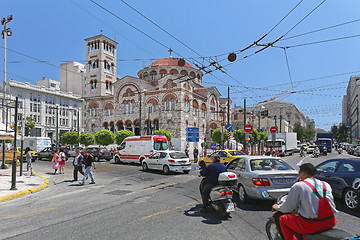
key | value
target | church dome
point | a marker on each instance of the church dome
(169, 61)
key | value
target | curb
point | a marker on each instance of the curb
(25, 192)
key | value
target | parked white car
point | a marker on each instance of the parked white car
(167, 161)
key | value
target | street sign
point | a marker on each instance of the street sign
(248, 128)
(192, 134)
(252, 131)
(273, 129)
(192, 139)
(213, 146)
(229, 135)
(192, 129)
(228, 127)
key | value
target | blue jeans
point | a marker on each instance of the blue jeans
(87, 172)
(28, 164)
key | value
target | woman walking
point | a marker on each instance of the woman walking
(56, 160)
(62, 161)
(28, 158)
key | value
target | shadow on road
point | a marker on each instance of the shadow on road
(209, 217)
(253, 205)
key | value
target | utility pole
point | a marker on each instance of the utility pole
(275, 121)
(228, 115)
(244, 123)
(13, 174)
(148, 123)
(140, 115)
(57, 126)
(22, 145)
(280, 123)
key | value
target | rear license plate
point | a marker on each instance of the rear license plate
(230, 207)
(283, 181)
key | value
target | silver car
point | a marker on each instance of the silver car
(257, 174)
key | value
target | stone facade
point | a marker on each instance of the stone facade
(163, 96)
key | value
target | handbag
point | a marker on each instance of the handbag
(55, 165)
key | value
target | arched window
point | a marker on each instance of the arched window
(187, 104)
(174, 71)
(184, 72)
(163, 73)
(93, 127)
(156, 124)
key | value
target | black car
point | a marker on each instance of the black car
(323, 150)
(343, 175)
(47, 153)
(100, 153)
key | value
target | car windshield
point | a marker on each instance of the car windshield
(178, 155)
(269, 165)
(160, 145)
(236, 153)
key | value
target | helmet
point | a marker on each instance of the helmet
(216, 157)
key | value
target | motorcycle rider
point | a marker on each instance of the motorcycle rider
(314, 202)
(316, 151)
(211, 172)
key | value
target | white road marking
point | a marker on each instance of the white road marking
(302, 160)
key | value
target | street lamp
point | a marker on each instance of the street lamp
(6, 32)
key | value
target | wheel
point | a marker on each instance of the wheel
(117, 159)
(141, 160)
(96, 159)
(186, 171)
(223, 213)
(166, 170)
(242, 194)
(351, 199)
(145, 167)
(39, 158)
(202, 165)
(271, 230)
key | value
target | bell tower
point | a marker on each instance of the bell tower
(100, 66)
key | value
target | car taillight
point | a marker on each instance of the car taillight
(170, 160)
(261, 181)
(231, 175)
(226, 193)
(151, 152)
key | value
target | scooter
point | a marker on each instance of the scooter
(274, 234)
(220, 198)
(316, 154)
(339, 150)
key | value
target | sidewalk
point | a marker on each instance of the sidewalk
(25, 184)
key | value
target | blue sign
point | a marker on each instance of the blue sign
(192, 139)
(192, 134)
(228, 127)
(192, 129)
(213, 146)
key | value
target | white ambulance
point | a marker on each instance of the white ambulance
(135, 149)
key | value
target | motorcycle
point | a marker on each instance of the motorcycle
(315, 154)
(274, 234)
(339, 150)
(220, 197)
(302, 153)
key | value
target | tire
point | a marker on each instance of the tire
(141, 160)
(351, 199)
(186, 171)
(202, 165)
(39, 158)
(242, 194)
(166, 170)
(145, 167)
(223, 213)
(271, 230)
(117, 159)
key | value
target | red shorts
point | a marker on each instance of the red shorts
(62, 162)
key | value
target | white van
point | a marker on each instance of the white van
(135, 149)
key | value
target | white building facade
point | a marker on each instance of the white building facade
(47, 106)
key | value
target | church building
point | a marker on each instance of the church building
(167, 94)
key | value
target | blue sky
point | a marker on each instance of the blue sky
(54, 31)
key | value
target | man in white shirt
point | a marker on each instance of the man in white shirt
(313, 201)
(77, 163)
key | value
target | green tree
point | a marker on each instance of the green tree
(165, 133)
(301, 135)
(29, 125)
(87, 139)
(263, 136)
(121, 135)
(70, 138)
(342, 133)
(334, 130)
(239, 136)
(216, 136)
(309, 132)
(104, 137)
